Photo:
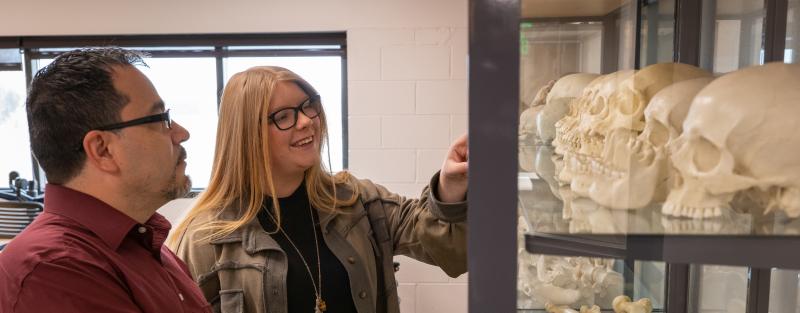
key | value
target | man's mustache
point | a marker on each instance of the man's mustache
(181, 155)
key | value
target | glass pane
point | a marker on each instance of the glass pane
(547, 280)
(650, 282)
(325, 74)
(16, 155)
(792, 54)
(783, 291)
(10, 60)
(731, 35)
(188, 87)
(721, 289)
(658, 32)
(574, 42)
(547, 52)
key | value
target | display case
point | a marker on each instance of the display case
(589, 151)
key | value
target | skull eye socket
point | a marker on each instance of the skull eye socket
(627, 102)
(598, 106)
(705, 156)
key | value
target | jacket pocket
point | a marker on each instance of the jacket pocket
(231, 301)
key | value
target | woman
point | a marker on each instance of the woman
(275, 232)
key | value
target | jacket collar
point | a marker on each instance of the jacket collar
(253, 237)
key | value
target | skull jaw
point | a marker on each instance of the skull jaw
(640, 186)
(694, 201)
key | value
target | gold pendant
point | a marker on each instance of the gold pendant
(321, 306)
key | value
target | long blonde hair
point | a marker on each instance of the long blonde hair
(241, 170)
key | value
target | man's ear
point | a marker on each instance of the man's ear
(98, 146)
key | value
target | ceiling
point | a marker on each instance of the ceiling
(568, 8)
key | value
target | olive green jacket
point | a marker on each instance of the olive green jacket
(246, 270)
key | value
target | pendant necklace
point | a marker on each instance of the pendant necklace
(320, 305)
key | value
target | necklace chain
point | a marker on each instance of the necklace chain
(320, 305)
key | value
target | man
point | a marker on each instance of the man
(112, 157)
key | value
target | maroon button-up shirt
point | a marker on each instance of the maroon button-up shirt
(82, 255)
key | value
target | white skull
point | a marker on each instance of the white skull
(636, 169)
(619, 108)
(528, 137)
(564, 90)
(589, 133)
(527, 119)
(567, 138)
(528, 140)
(593, 125)
(738, 138)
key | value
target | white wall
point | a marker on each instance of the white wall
(406, 76)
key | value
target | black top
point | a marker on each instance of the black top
(296, 222)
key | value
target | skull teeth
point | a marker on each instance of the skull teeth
(677, 210)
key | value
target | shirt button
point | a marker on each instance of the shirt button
(351, 260)
(362, 294)
(180, 295)
(142, 229)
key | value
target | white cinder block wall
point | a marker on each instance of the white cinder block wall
(407, 102)
(407, 84)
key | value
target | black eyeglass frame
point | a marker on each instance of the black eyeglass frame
(313, 99)
(160, 117)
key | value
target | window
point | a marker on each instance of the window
(16, 154)
(188, 88)
(189, 76)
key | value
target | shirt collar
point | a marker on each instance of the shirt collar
(108, 223)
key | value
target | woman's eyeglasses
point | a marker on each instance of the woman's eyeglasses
(286, 118)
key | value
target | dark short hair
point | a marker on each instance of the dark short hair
(69, 97)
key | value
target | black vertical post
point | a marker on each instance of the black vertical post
(758, 290)
(688, 18)
(345, 127)
(628, 274)
(677, 288)
(637, 42)
(775, 29)
(28, 80)
(610, 43)
(218, 55)
(493, 119)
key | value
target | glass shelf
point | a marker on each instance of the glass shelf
(564, 224)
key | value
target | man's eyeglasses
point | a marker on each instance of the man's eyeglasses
(160, 117)
(286, 118)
